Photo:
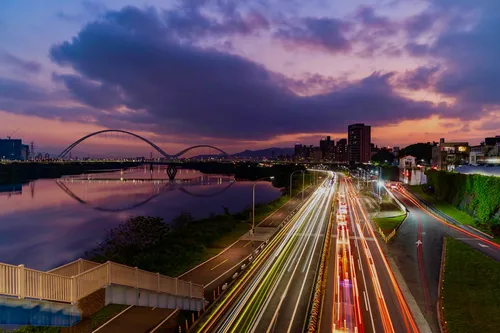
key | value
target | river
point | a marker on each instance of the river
(48, 222)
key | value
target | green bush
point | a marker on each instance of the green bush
(477, 195)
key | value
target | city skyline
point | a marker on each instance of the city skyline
(272, 74)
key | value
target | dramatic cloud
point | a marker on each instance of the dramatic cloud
(469, 50)
(321, 33)
(20, 90)
(374, 33)
(189, 22)
(420, 23)
(18, 64)
(97, 95)
(420, 78)
(185, 89)
(369, 18)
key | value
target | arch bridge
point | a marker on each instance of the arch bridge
(171, 170)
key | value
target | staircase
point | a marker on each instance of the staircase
(31, 297)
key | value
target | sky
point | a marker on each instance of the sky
(247, 74)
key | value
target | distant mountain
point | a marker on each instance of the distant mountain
(268, 152)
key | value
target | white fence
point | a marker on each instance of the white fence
(57, 285)
(74, 268)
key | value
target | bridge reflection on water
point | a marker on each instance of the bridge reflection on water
(47, 222)
(159, 186)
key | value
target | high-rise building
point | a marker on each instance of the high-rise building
(11, 149)
(359, 136)
(298, 152)
(327, 147)
(341, 151)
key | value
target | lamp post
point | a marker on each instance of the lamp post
(253, 201)
(303, 175)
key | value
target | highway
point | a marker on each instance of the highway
(274, 293)
(361, 293)
(417, 247)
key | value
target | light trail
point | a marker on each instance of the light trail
(408, 319)
(440, 219)
(249, 299)
(346, 294)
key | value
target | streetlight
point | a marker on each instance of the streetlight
(303, 175)
(253, 201)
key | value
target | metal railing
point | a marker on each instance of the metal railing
(29, 283)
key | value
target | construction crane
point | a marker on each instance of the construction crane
(9, 136)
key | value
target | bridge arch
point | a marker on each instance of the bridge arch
(182, 152)
(158, 149)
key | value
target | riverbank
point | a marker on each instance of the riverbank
(173, 248)
(11, 173)
(471, 291)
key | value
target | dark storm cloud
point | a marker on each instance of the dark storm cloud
(19, 64)
(183, 89)
(323, 33)
(468, 44)
(420, 23)
(369, 18)
(420, 78)
(417, 49)
(95, 94)
(373, 33)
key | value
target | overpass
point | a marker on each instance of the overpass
(58, 297)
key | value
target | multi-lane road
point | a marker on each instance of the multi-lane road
(274, 293)
(361, 294)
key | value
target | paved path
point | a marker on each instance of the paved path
(417, 248)
(136, 319)
(215, 271)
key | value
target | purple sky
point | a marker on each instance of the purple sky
(248, 74)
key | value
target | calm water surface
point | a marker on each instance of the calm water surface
(52, 221)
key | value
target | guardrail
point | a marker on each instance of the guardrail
(23, 282)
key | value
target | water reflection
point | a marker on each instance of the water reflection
(47, 222)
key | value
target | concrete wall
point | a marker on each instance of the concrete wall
(131, 296)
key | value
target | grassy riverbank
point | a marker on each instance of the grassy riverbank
(173, 248)
(471, 291)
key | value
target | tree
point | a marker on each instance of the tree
(130, 238)
(421, 151)
(383, 156)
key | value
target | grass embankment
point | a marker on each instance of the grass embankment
(388, 224)
(444, 207)
(450, 210)
(471, 290)
(106, 313)
(389, 216)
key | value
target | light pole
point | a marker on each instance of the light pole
(253, 201)
(303, 176)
